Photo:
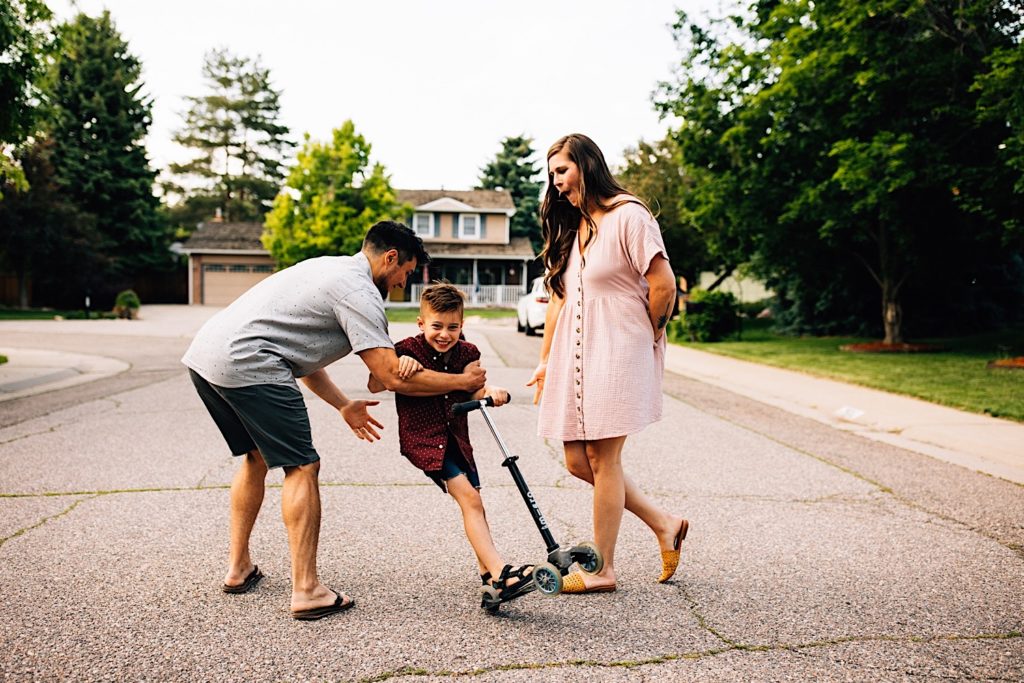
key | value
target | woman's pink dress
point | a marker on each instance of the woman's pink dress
(604, 369)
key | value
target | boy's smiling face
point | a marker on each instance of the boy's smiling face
(441, 330)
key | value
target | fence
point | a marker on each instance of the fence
(506, 296)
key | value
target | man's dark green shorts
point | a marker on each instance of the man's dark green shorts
(268, 417)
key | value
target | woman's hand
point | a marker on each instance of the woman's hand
(538, 380)
(357, 416)
(408, 366)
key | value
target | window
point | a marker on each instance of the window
(469, 226)
(423, 224)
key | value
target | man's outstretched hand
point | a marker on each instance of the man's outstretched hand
(357, 416)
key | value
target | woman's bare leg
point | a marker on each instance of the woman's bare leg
(664, 525)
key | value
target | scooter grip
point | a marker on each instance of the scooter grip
(470, 406)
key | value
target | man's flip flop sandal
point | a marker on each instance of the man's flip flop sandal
(250, 582)
(339, 605)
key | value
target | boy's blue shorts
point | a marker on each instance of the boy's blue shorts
(454, 464)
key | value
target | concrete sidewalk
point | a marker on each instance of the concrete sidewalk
(977, 442)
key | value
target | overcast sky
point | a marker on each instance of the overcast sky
(433, 86)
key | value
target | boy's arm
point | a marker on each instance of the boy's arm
(407, 367)
(500, 396)
(383, 365)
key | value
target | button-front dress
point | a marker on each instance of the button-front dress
(604, 370)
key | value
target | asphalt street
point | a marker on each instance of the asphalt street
(813, 553)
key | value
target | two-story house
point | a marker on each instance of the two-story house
(466, 233)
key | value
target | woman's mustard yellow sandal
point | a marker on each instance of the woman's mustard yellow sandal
(670, 558)
(573, 583)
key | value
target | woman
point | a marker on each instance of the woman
(603, 353)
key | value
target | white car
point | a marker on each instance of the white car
(532, 308)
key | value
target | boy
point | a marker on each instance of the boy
(436, 441)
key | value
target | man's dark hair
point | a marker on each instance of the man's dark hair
(387, 235)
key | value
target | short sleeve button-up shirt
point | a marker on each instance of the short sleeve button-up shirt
(425, 423)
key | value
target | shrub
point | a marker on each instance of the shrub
(126, 303)
(710, 316)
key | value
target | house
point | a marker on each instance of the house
(466, 233)
(224, 260)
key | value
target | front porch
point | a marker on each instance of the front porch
(503, 296)
(488, 274)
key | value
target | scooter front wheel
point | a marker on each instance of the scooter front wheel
(588, 557)
(548, 578)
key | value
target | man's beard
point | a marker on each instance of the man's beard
(382, 287)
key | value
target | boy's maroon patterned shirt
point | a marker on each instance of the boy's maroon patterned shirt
(425, 422)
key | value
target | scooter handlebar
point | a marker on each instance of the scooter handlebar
(470, 406)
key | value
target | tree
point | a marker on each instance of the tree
(26, 39)
(241, 145)
(329, 201)
(839, 145)
(654, 172)
(42, 234)
(513, 169)
(100, 119)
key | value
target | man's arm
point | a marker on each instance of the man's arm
(353, 412)
(383, 365)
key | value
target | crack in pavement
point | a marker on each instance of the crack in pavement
(44, 520)
(692, 655)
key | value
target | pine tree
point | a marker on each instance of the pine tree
(240, 144)
(100, 118)
(513, 169)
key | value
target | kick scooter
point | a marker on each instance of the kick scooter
(547, 576)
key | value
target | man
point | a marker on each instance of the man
(244, 362)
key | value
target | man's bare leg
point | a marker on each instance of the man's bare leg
(247, 490)
(300, 507)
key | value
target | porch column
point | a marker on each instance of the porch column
(476, 282)
(525, 284)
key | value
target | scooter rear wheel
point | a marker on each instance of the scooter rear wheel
(588, 557)
(490, 599)
(548, 578)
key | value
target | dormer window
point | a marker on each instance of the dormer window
(423, 224)
(469, 226)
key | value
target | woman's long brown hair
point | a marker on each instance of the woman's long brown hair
(560, 220)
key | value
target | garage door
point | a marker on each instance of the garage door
(223, 283)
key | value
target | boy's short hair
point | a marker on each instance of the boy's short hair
(442, 297)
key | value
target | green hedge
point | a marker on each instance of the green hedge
(710, 316)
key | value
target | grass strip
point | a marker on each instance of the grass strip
(958, 376)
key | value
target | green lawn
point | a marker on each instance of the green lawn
(956, 377)
(408, 315)
(48, 314)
